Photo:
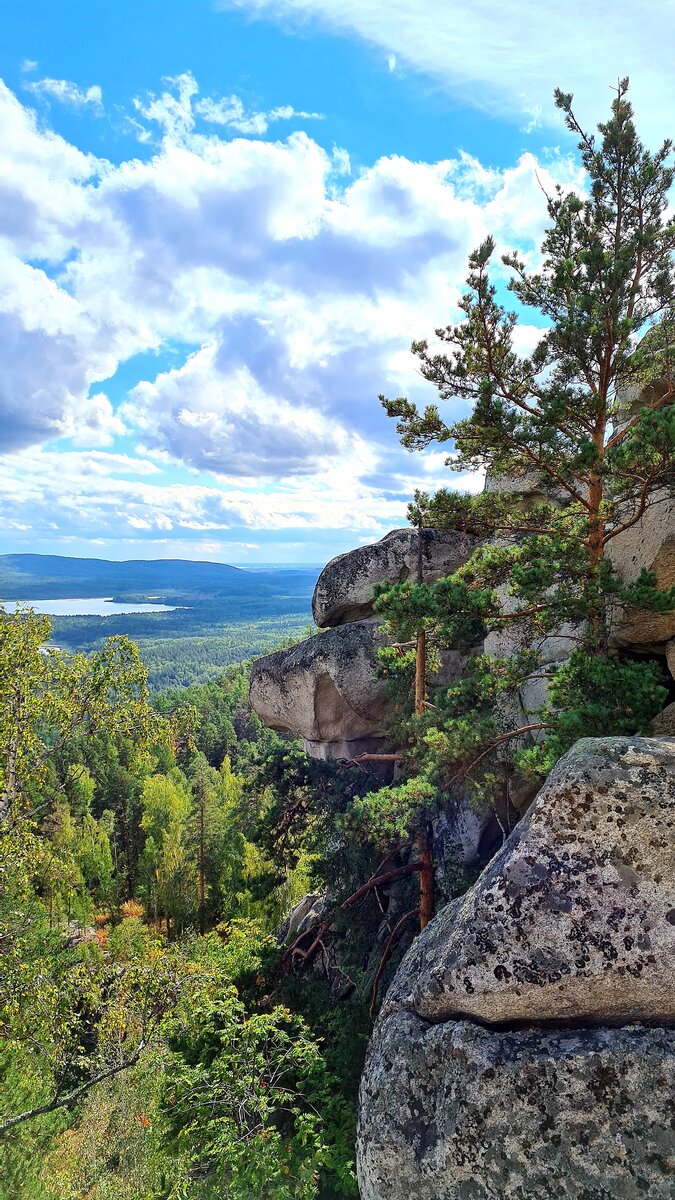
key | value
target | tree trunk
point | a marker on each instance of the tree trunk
(596, 536)
(424, 850)
(420, 671)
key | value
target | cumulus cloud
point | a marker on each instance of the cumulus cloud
(66, 92)
(285, 291)
(216, 417)
(89, 492)
(230, 111)
(176, 111)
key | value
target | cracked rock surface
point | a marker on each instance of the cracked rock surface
(458, 1112)
(344, 589)
(526, 1047)
(575, 917)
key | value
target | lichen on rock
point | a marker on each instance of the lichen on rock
(575, 917)
(526, 1048)
(344, 589)
(458, 1112)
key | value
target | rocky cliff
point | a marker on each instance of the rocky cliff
(326, 689)
(526, 1047)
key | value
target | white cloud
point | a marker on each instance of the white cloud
(508, 59)
(218, 418)
(84, 494)
(66, 92)
(230, 111)
(176, 111)
(391, 62)
(98, 426)
(280, 294)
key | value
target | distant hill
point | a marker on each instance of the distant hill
(228, 613)
(41, 574)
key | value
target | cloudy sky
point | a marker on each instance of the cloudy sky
(223, 221)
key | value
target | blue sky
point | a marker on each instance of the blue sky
(221, 225)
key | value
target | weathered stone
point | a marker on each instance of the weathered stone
(670, 658)
(650, 543)
(664, 722)
(458, 1112)
(460, 830)
(326, 689)
(575, 917)
(347, 749)
(307, 912)
(344, 589)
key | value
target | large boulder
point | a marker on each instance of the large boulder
(650, 543)
(564, 943)
(574, 919)
(344, 589)
(458, 1112)
(664, 722)
(324, 689)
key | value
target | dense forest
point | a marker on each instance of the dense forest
(169, 1028)
(223, 614)
(150, 1044)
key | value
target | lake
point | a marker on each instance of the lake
(92, 606)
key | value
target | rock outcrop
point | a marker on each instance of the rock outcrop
(326, 689)
(458, 1112)
(344, 589)
(650, 543)
(572, 924)
(574, 919)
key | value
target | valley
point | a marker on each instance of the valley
(191, 620)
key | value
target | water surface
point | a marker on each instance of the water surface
(91, 606)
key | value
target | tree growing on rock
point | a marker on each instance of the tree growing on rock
(562, 424)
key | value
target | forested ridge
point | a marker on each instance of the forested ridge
(223, 614)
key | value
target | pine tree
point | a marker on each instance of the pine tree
(564, 419)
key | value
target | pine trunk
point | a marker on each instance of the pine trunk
(427, 903)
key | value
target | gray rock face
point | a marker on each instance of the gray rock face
(344, 589)
(650, 543)
(664, 722)
(325, 689)
(457, 1112)
(572, 924)
(305, 914)
(575, 918)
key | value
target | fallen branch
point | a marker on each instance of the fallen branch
(71, 1097)
(374, 758)
(317, 931)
